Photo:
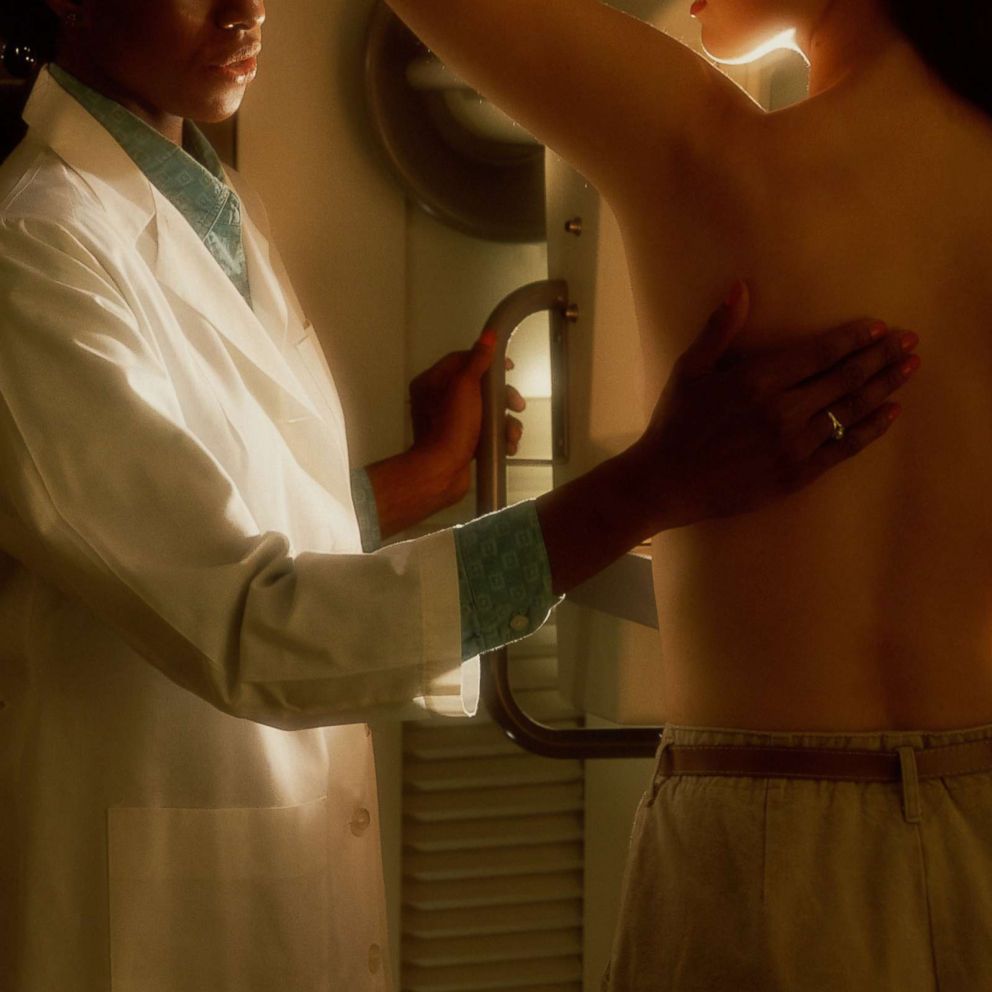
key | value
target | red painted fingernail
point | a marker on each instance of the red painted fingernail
(909, 341)
(894, 412)
(488, 337)
(910, 365)
(878, 330)
(733, 297)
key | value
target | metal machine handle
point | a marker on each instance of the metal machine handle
(551, 295)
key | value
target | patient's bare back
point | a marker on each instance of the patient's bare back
(865, 602)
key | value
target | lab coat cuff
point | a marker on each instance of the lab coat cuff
(505, 578)
(366, 510)
(451, 686)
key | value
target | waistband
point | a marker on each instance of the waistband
(897, 756)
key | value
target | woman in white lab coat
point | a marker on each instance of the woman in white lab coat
(192, 637)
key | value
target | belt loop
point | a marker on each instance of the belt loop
(910, 785)
(660, 768)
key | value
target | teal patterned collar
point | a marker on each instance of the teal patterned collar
(191, 178)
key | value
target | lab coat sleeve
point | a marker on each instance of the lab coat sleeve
(105, 493)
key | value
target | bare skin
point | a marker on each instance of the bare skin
(865, 602)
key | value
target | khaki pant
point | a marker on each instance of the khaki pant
(788, 885)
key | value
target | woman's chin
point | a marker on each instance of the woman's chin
(216, 107)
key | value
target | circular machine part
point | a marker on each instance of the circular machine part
(479, 185)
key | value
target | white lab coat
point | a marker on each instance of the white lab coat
(181, 597)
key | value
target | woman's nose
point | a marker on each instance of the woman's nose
(243, 15)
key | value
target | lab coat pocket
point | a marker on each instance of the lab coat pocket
(219, 899)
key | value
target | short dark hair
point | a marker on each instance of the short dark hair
(955, 42)
(29, 31)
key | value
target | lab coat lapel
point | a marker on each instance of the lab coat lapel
(268, 299)
(54, 118)
(266, 344)
(274, 376)
(278, 308)
(187, 268)
(182, 262)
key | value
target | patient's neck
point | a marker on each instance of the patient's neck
(848, 37)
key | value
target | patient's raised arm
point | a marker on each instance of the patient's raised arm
(610, 93)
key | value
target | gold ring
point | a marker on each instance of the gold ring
(839, 429)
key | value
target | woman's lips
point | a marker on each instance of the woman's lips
(697, 7)
(237, 71)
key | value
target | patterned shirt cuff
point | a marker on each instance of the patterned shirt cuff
(504, 578)
(363, 496)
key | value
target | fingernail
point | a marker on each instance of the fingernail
(733, 297)
(488, 337)
(911, 365)
(878, 330)
(909, 341)
(894, 412)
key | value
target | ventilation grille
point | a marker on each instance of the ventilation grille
(492, 859)
(493, 848)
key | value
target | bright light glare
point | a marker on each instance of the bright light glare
(784, 40)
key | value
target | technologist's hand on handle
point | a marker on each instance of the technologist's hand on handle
(729, 434)
(446, 411)
(446, 408)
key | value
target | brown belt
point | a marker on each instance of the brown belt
(807, 762)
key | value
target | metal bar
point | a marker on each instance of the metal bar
(634, 742)
(551, 295)
(559, 382)
(504, 320)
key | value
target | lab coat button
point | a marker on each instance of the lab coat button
(360, 822)
(519, 623)
(375, 958)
